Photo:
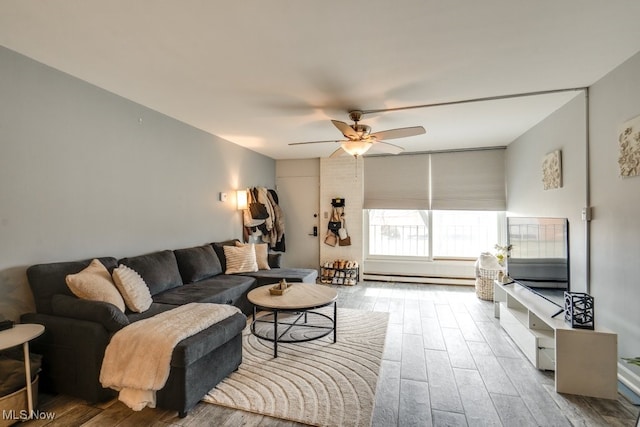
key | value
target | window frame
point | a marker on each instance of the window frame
(500, 239)
(374, 257)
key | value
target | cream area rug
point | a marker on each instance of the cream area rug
(317, 382)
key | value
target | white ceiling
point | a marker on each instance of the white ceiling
(263, 74)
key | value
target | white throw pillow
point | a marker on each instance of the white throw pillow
(94, 283)
(240, 259)
(133, 288)
(262, 254)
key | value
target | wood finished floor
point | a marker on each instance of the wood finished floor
(447, 363)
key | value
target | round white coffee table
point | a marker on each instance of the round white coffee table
(22, 334)
(297, 304)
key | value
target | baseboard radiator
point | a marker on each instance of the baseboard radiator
(631, 380)
(429, 280)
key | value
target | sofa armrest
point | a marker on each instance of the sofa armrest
(108, 315)
(72, 351)
(274, 260)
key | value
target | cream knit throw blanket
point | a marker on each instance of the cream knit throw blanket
(137, 360)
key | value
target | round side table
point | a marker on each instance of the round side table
(22, 334)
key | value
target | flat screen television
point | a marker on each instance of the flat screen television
(540, 252)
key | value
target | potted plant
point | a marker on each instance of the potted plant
(502, 254)
(632, 360)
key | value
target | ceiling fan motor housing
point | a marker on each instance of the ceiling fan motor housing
(363, 131)
(360, 139)
(355, 115)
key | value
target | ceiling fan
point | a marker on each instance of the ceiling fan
(360, 139)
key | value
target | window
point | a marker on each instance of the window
(454, 234)
(464, 234)
(396, 232)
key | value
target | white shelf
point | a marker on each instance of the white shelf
(521, 316)
(584, 361)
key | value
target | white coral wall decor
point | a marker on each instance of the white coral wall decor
(552, 170)
(629, 143)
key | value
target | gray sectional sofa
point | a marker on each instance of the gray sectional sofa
(78, 331)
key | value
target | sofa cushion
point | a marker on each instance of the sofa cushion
(267, 277)
(159, 270)
(47, 280)
(154, 309)
(94, 283)
(197, 263)
(133, 289)
(240, 259)
(107, 315)
(221, 289)
(218, 247)
(204, 342)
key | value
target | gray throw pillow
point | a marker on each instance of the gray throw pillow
(274, 260)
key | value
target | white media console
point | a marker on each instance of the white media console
(584, 361)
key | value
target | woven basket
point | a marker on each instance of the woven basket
(484, 283)
(15, 404)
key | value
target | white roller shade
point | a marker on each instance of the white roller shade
(396, 182)
(468, 180)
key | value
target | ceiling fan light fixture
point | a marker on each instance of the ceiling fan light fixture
(360, 139)
(356, 148)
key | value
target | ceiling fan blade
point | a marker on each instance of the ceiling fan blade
(386, 147)
(398, 133)
(339, 152)
(314, 142)
(345, 129)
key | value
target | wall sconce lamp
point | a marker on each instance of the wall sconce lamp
(241, 199)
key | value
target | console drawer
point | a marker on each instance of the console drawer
(546, 358)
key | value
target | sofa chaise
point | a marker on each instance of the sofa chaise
(78, 330)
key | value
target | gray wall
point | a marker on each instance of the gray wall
(615, 243)
(86, 173)
(564, 130)
(615, 228)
